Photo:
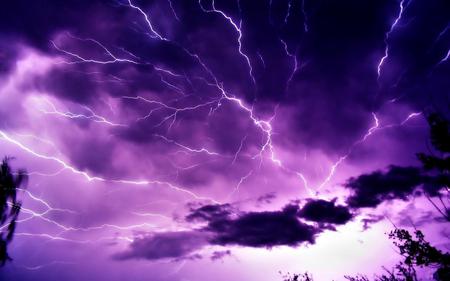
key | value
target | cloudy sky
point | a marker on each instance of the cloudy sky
(180, 140)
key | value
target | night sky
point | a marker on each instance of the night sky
(219, 140)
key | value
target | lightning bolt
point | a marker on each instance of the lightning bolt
(444, 59)
(175, 110)
(288, 12)
(67, 114)
(388, 34)
(147, 20)
(305, 16)
(241, 181)
(193, 150)
(37, 267)
(173, 10)
(237, 28)
(294, 59)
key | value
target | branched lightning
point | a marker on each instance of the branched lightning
(193, 150)
(175, 110)
(237, 28)
(147, 20)
(91, 115)
(264, 126)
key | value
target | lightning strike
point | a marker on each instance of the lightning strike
(147, 20)
(67, 114)
(388, 34)
(237, 28)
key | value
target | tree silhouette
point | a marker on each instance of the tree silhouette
(9, 205)
(417, 253)
(440, 164)
(298, 277)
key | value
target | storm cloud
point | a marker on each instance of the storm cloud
(125, 111)
(323, 211)
(370, 190)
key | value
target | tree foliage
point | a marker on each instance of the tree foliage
(440, 164)
(10, 183)
(417, 253)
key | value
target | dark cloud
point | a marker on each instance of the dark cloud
(263, 229)
(255, 229)
(369, 190)
(374, 188)
(251, 229)
(323, 211)
(171, 245)
(266, 198)
(219, 255)
(371, 219)
(210, 213)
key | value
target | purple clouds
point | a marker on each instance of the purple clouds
(163, 131)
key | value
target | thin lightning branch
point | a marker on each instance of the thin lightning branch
(147, 20)
(262, 59)
(305, 16)
(37, 267)
(50, 143)
(288, 12)
(46, 174)
(173, 10)
(46, 204)
(294, 58)
(62, 239)
(388, 34)
(238, 30)
(193, 150)
(241, 181)
(444, 59)
(67, 114)
(305, 183)
(113, 59)
(48, 236)
(90, 178)
(151, 215)
(239, 149)
(175, 110)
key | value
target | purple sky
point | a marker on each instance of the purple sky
(180, 140)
